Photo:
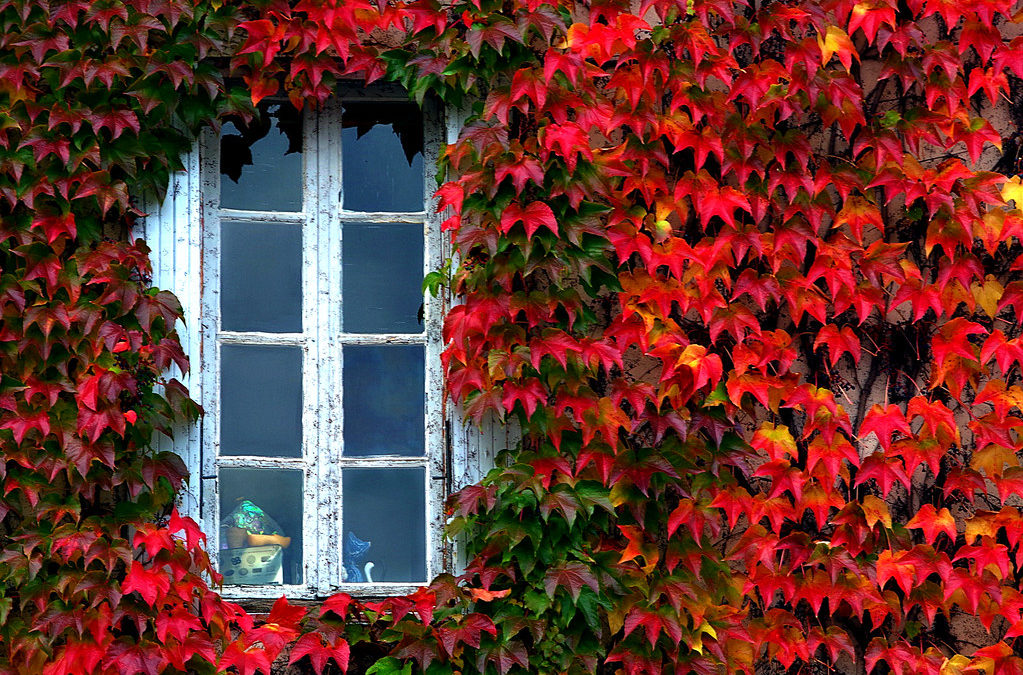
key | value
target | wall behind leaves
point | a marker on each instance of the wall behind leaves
(746, 273)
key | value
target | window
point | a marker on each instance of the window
(297, 255)
(301, 245)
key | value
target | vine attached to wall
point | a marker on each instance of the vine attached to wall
(736, 268)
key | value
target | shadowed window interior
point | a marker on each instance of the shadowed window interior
(323, 358)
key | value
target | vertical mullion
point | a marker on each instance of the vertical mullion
(337, 486)
(310, 353)
(465, 445)
(209, 161)
(436, 469)
(327, 153)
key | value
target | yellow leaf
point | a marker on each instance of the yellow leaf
(775, 440)
(1013, 191)
(836, 41)
(875, 510)
(992, 460)
(988, 294)
(955, 665)
(989, 229)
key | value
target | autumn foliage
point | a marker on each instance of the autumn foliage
(747, 275)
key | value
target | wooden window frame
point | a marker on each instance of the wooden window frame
(181, 232)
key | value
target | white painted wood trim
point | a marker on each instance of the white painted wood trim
(184, 235)
(474, 449)
(173, 231)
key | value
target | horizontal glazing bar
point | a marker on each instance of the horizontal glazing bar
(258, 592)
(254, 338)
(383, 216)
(263, 216)
(382, 461)
(259, 462)
(381, 339)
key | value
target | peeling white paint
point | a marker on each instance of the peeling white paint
(184, 235)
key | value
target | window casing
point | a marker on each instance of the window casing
(247, 369)
(184, 233)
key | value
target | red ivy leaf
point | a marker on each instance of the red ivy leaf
(319, 652)
(535, 215)
(573, 575)
(151, 583)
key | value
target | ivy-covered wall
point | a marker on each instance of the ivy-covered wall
(746, 273)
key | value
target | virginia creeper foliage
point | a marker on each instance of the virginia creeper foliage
(745, 273)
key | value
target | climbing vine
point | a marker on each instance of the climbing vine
(746, 274)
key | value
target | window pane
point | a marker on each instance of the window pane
(384, 514)
(384, 400)
(260, 277)
(261, 162)
(382, 157)
(382, 279)
(261, 526)
(261, 400)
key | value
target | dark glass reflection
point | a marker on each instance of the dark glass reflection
(260, 526)
(382, 277)
(384, 400)
(261, 161)
(260, 277)
(261, 400)
(382, 157)
(386, 509)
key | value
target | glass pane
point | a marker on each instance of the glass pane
(260, 277)
(261, 400)
(382, 279)
(382, 157)
(261, 526)
(384, 400)
(384, 514)
(261, 162)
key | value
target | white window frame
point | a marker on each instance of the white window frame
(183, 233)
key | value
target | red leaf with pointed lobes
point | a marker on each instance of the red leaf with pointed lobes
(870, 17)
(831, 454)
(529, 395)
(319, 652)
(24, 423)
(819, 503)
(884, 422)
(838, 341)
(775, 441)
(534, 216)
(784, 478)
(933, 522)
(893, 565)
(951, 338)
(915, 452)
(131, 658)
(55, 226)
(196, 643)
(523, 169)
(155, 539)
(886, 471)
(286, 615)
(338, 604)
(989, 556)
(247, 659)
(504, 656)
(653, 623)
(425, 602)
(997, 658)
(572, 575)
(638, 546)
(151, 584)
